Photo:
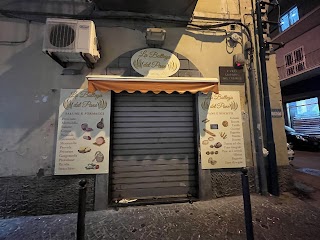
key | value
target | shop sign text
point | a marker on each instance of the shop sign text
(231, 75)
(154, 62)
(221, 133)
(83, 133)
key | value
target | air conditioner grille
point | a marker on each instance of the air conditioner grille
(62, 35)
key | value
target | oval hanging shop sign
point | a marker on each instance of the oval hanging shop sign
(154, 62)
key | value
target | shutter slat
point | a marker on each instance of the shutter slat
(153, 104)
(149, 174)
(151, 114)
(152, 135)
(173, 129)
(144, 168)
(153, 179)
(152, 119)
(119, 141)
(153, 146)
(153, 124)
(154, 109)
(153, 162)
(152, 193)
(147, 185)
(152, 151)
(153, 157)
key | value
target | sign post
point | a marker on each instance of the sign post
(247, 203)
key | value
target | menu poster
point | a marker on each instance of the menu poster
(221, 133)
(83, 132)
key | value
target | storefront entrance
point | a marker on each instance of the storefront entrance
(153, 146)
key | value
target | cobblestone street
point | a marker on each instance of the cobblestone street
(274, 218)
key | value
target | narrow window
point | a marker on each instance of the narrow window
(289, 18)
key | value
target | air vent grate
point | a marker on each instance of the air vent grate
(62, 35)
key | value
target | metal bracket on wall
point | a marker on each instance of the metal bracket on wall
(55, 58)
(86, 59)
(269, 3)
(280, 45)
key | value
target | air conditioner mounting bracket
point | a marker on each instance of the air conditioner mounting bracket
(55, 58)
(85, 58)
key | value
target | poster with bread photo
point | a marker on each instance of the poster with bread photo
(83, 132)
(221, 132)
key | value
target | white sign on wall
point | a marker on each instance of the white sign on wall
(83, 132)
(154, 62)
(221, 132)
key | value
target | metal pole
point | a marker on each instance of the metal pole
(247, 203)
(257, 131)
(272, 163)
(81, 210)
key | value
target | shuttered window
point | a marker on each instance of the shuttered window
(295, 61)
(153, 146)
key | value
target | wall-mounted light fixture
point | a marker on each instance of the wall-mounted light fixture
(155, 37)
(238, 60)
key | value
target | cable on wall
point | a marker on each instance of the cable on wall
(203, 27)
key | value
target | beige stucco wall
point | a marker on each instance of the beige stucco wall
(276, 103)
(31, 81)
(220, 7)
(29, 103)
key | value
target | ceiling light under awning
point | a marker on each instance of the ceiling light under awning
(104, 83)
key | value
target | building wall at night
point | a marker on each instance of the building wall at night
(299, 80)
(304, 7)
(29, 101)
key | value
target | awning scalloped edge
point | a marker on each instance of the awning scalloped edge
(168, 92)
(152, 86)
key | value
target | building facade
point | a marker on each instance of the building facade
(298, 65)
(155, 138)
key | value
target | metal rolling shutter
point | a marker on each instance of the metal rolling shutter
(309, 126)
(153, 146)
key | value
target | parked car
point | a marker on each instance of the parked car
(301, 141)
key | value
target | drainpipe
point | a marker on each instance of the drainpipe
(272, 161)
(257, 114)
(257, 130)
(258, 73)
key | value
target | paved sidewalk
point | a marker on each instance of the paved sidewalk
(302, 163)
(274, 218)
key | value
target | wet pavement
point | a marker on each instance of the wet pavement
(305, 159)
(307, 176)
(307, 162)
(285, 217)
(314, 172)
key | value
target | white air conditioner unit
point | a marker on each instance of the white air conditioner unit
(68, 40)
